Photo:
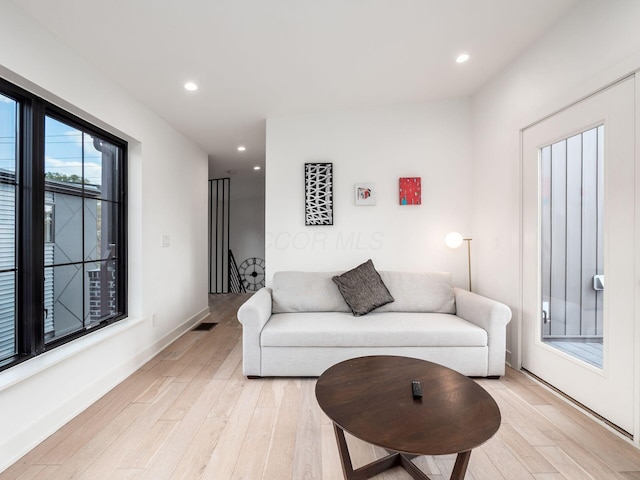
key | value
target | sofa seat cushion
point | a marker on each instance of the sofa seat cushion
(390, 329)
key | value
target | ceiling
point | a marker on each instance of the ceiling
(252, 59)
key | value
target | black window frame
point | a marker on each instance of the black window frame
(30, 235)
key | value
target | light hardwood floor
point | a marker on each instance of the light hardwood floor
(190, 414)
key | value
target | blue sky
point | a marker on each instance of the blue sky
(63, 149)
(64, 152)
(7, 133)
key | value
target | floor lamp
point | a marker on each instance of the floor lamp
(454, 240)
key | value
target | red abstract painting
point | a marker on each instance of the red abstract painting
(410, 191)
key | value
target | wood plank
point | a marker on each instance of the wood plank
(38, 472)
(504, 460)
(208, 356)
(482, 468)
(331, 467)
(517, 412)
(524, 451)
(130, 439)
(181, 405)
(231, 362)
(279, 462)
(307, 452)
(226, 453)
(87, 424)
(83, 454)
(141, 454)
(255, 447)
(155, 390)
(126, 474)
(428, 465)
(207, 420)
(563, 463)
(585, 457)
(630, 475)
(610, 449)
(174, 448)
(196, 457)
(445, 463)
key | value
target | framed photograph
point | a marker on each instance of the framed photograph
(410, 191)
(365, 193)
(318, 193)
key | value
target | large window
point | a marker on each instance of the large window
(62, 226)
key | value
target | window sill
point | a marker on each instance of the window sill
(40, 363)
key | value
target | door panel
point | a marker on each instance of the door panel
(578, 222)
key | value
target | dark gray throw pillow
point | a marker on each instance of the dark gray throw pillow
(363, 289)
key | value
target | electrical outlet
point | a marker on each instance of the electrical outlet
(153, 319)
(166, 241)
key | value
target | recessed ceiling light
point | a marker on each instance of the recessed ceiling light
(232, 172)
(257, 167)
(462, 58)
(192, 87)
(242, 148)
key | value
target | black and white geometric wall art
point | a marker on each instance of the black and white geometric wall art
(318, 193)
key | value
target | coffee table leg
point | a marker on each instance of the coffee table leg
(370, 470)
(345, 458)
(460, 468)
(395, 459)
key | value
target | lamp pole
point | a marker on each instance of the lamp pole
(468, 240)
(455, 240)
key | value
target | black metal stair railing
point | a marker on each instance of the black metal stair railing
(235, 281)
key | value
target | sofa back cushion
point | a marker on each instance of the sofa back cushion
(419, 292)
(316, 292)
(306, 292)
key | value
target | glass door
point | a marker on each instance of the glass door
(578, 228)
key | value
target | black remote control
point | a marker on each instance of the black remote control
(416, 388)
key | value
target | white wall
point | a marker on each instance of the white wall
(593, 45)
(167, 196)
(247, 228)
(429, 140)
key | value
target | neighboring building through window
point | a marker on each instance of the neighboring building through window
(48, 222)
(9, 131)
(77, 175)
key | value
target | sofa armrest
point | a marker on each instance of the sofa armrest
(253, 315)
(491, 315)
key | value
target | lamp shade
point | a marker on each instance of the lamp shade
(453, 239)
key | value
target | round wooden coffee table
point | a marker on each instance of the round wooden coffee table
(371, 398)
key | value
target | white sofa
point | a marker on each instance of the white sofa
(301, 325)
